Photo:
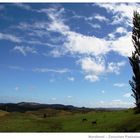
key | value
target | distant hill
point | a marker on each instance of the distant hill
(32, 106)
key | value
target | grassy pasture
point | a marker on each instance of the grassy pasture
(66, 121)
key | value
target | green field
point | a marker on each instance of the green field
(66, 121)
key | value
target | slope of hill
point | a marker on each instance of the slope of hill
(32, 106)
(70, 121)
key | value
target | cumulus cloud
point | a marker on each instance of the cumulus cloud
(94, 67)
(81, 44)
(123, 45)
(90, 65)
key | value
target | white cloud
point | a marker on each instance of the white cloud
(81, 44)
(56, 16)
(115, 103)
(76, 42)
(92, 78)
(123, 12)
(23, 6)
(93, 68)
(101, 102)
(53, 99)
(71, 79)
(103, 91)
(16, 68)
(90, 65)
(115, 67)
(119, 84)
(92, 47)
(16, 88)
(2, 7)
(69, 96)
(96, 26)
(123, 45)
(24, 50)
(127, 95)
(56, 53)
(43, 70)
(100, 17)
(121, 30)
(10, 37)
(52, 80)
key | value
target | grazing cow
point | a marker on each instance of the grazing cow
(83, 120)
(44, 115)
(94, 122)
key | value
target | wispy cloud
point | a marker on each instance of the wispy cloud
(23, 6)
(90, 50)
(103, 91)
(96, 26)
(127, 95)
(2, 7)
(71, 79)
(25, 50)
(101, 18)
(96, 47)
(69, 96)
(44, 70)
(53, 99)
(16, 68)
(119, 84)
(119, 30)
(17, 88)
(115, 67)
(10, 37)
(115, 103)
(56, 53)
(123, 12)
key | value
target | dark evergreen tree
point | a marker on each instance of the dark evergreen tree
(135, 59)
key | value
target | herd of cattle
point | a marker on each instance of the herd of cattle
(93, 122)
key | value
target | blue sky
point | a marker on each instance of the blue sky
(66, 53)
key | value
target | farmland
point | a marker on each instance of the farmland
(69, 121)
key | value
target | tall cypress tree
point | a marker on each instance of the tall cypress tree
(135, 59)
